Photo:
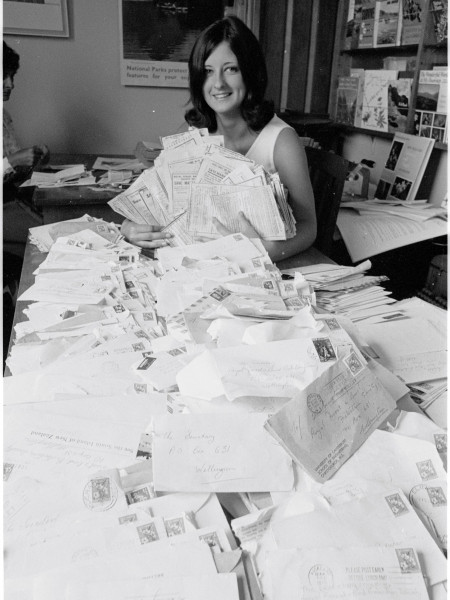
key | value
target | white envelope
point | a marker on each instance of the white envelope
(379, 520)
(367, 573)
(220, 453)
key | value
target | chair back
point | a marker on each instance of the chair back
(327, 172)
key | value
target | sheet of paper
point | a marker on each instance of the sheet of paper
(221, 453)
(369, 235)
(330, 419)
(386, 520)
(335, 573)
(257, 204)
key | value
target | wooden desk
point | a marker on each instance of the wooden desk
(60, 204)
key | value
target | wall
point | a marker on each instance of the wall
(68, 93)
(359, 146)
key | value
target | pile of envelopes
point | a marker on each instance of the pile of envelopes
(193, 427)
(194, 179)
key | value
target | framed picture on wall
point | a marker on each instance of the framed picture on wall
(36, 17)
(156, 39)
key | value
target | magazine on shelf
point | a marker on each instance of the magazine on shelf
(413, 17)
(405, 165)
(439, 10)
(430, 117)
(387, 23)
(347, 98)
(375, 99)
(366, 39)
(399, 98)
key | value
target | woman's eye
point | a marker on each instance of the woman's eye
(208, 71)
(233, 69)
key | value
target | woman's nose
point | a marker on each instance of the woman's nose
(8, 82)
(218, 80)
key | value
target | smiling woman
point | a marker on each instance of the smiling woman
(227, 81)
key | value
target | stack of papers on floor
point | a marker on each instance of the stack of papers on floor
(195, 179)
(152, 399)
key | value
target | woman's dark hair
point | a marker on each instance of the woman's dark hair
(10, 60)
(256, 111)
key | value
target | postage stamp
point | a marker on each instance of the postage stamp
(127, 519)
(139, 495)
(100, 494)
(437, 496)
(7, 470)
(396, 504)
(324, 349)
(353, 363)
(426, 470)
(407, 560)
(174, 526)
(147, 533)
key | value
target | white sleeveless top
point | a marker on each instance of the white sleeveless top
(261, 151)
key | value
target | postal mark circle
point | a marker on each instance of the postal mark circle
(315, 403)
(321, 577)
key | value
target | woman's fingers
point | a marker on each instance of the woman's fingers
(221, 228)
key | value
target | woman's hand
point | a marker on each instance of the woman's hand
(145, 236)
(245, 227)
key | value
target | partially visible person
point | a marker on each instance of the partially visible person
(18, 163)
(18, 212)
(227, 80)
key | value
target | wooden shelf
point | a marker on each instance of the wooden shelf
(410, 49)
(388, 135)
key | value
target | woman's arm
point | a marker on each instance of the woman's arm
(291, 164)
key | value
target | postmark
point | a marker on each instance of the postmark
(353, 363)
(407, 560)
(321, 578)
(100, 494)
(315, 403)
(396, 504)
(426, 470)
(324, 349)
(147, 533)
(174, 526)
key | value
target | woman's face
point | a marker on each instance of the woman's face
(8, 85)
(224, 88)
